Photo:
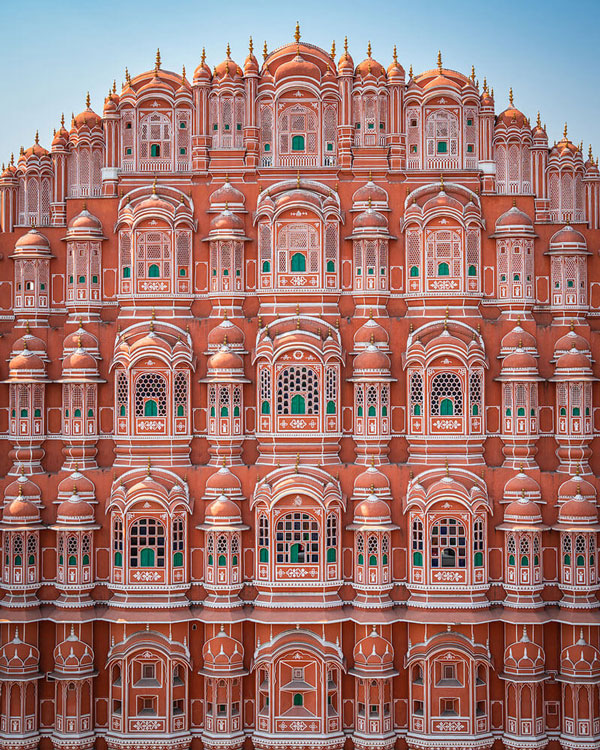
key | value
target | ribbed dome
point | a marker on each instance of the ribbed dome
(374, 653)
(372, 358)
(372, 510)
(223, 653)
(222, 510)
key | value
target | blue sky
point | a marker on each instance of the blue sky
(53, 52)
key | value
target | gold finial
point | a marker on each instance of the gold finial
(297, 33)
(590, 154)
(538, 121)
(265, 52)
(153, 314)
(473, 73)
(157, 60)
(62, 120)
(369, 49)
(492, 92)
(87, 100)
(154, 186)
(485, 88)
(12, 159)
(565, 132)
(439, 61)
(441, 182)
(114, 88)
(514, 202)
(182, 73)
(148, 467)
(127, 76)
(298, 179)
(203, 56)
(37, 137)
(410, 71)
(333, 50)
(510, 97)
(297, 462)
(395, 55)
(228, 51)
(250, 46)
(447, 468)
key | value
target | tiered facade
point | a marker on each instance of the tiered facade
(299, 416)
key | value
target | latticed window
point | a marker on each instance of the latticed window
(441, 134)
(446, 395)
(222, 546)
(417, 542)
(264, 245)
(178, 542)
(372, 549)
(416, 394)
(331, 537)
(566, 548)
(180, 392)
(298, 130)
(118, 542)
(155, 136)
(147, 544)
(298, 249)
(360, 548)
(511, 548)
(265, 391)
(298, 391)
(444, 253)
(448, 544)
(475, 392)
(86, 546)
(297, 539)
(32, 548)
(579, 550)
(150, 395)
(331, 389)
(478, 543)
(263, 538)
(153, 255)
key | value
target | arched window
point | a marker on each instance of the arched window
(263, 538)
(147, 544)
(118, 543)
(298, 249)
(417, 542)
(178, 543)
(151, 395)
(446, 393)
(443, 269)
(298, 263)
(331, 538)
(448, 544)
(297, 391)
(298, 143)
(122, 393)
(155, 136)
(441, 138)
(297, 539)
(478, 543)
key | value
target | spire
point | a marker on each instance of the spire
(228, 51)
(297, 33)
(410, 71)
(183, 74)
(439, 61)
(485, 88)
(333, 50)
(395, 55)
(127, 76)
(441, 183)
(473, 73)
(203, 56)
(510, 97)
(250, 46)
(346, 46)
(369, 49)
(154, 186)
(265, 52)
(114, 88)
(157, 61)
(565, 132)
(37, 137)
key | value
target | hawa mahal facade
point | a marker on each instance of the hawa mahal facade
(299, 409)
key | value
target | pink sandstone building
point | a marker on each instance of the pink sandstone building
(299, 417)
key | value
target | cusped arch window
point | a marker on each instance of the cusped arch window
(446, 395)
(147, 544)
(448, 544)
(297, 391)
(297, 537)
(150, 395)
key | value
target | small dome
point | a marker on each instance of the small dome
(370, 219)
(578, 510)
(80, 362)
(372, 511)
(346, 63)
(442, 200)
(514, 220)
(202, 72)
(567, 238)
(512, 117)
(372, 358)
(76, 483)
(61, 137)
(75, 511)
(88, 118)
(80, 339)
(223, 482)
(374, 653)
(227, 194)
(26, 363)
(22, 488)
(369, 66)
(522, 484)
(371, 333)
(370, 192)
(519, 360)
(225, 359)
(72, 656)
(570, 341)
(524, 657)
(223, 653)
(154, 203)
(226, 333)
(222, 511)
(580, 659)
(226, 221)
(523, 510)
(85, 222)
(518, 338)
(251, 64)
(20, 512)
(577, 486)
(33, 240)
(18, 658)
(372, 481)
(228, 68)
(573, 360)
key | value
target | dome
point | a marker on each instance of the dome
(225, 359)
(524, 657)
(372, 358)
(228, 67)
(75, 511)
(370, 219)
(18, 658)
(251, 63)
(522, 484)
(81, 363)
(512, 117)
(22, 488)
(33, 240)
(580, 659)
(374, 653)
(298, 67)
(523, 510)
(514, 220)
(346, 63)
(442, 200)
(20, 512)
(88, 118)
(372, 481)
(202, 72)
(567, 238)
(61, 137)
(372, 511)
(72, 656)
(223, 482)
(226, 222)
(227, 194)
(577, 486)
(570, 341)
(222, 511)
(80, 339)
(226, 333)
(370, 192)
(33, 343)
(519, 360)
(573, 360)
(518, 338)
(26, 364)
(154, 203)
(85, 222)
(577, 511)
(369, 66)
(76, 483)
(371, 332)
(223, 653)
